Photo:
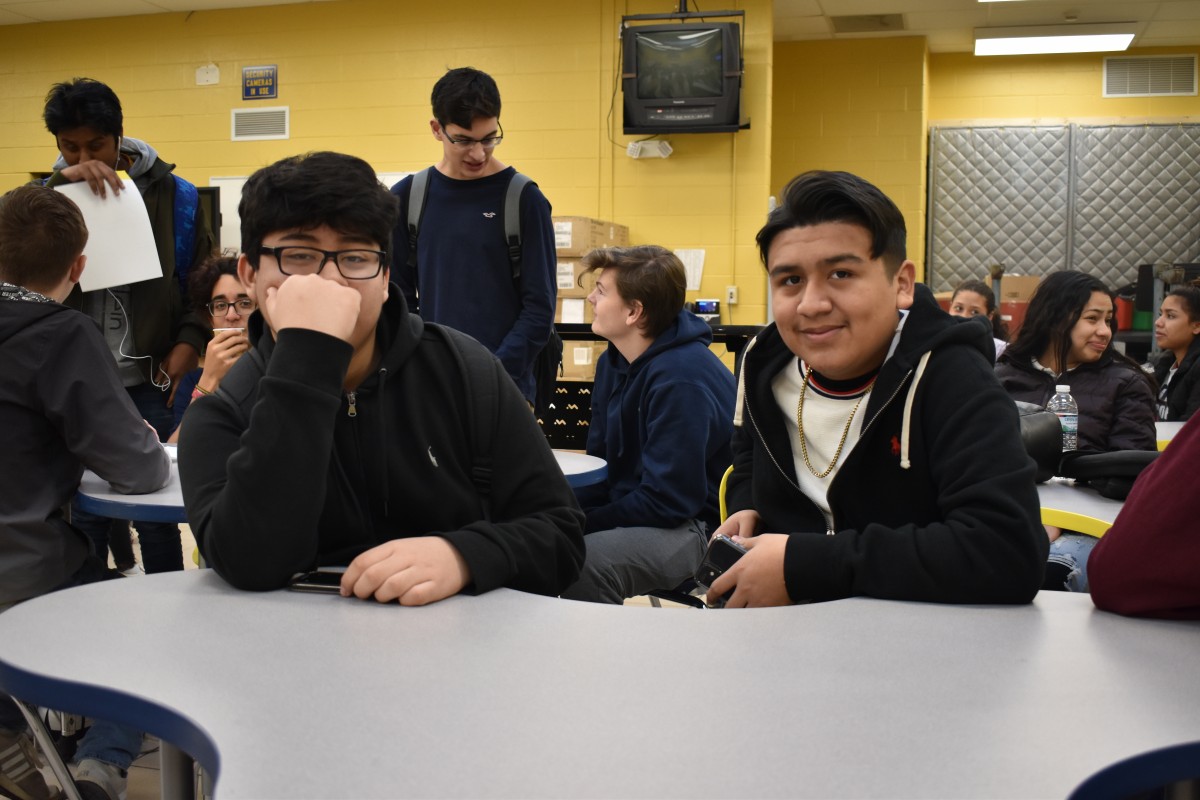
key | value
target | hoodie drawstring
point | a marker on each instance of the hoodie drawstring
(740, 400)
(906, 424)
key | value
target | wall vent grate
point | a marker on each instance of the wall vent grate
(255, 124)
(1149, 76)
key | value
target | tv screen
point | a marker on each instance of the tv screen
(682, 78)
(679, 64)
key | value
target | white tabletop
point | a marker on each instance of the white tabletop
(1077, 508)
(166, 505)
(283, 694)
(580, 469)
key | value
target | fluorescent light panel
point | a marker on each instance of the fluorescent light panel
(1038, 39)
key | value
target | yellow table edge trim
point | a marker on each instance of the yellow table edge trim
(1068, 520)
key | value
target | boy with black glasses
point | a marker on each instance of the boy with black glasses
(459, 270)
(354, 433)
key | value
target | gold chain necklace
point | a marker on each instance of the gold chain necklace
(845, 432)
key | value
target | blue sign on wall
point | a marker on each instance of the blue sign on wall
(260, 83)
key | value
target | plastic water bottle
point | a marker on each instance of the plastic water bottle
(1067, 410)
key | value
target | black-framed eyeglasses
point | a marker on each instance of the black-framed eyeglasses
(355, 265)
(465, 143)
(243, 307)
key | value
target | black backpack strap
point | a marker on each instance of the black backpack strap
(418, 191)
(483, 403)
(512, 220)
(239, 388)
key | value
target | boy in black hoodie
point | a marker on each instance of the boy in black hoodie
(353, 433)
(874, 452)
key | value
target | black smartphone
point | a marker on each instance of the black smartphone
(722, 554)
(330, 582)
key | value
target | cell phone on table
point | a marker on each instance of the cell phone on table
(722, 554)
(317, 581)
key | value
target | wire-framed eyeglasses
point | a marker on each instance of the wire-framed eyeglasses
(488, 142)
(355, 265)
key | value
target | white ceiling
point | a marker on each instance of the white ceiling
(947, 24)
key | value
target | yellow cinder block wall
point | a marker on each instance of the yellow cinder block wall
(856, 105)
(1043, 90)
(357, 75)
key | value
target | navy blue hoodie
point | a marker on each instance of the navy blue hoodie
(663, 423)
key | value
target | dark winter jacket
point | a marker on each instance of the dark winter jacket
(937, 499)
(663, 424)
(1183, 393)
(62, 408)
(1116, 404)
(315, 476)
(158, 314)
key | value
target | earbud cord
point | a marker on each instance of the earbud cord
(166, 384)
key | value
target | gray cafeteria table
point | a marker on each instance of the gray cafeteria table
(285, 694)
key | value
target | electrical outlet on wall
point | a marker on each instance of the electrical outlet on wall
(731, 295)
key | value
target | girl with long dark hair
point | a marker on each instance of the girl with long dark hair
(1067, 338)
(1177, 333)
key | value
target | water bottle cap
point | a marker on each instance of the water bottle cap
(1062, 388)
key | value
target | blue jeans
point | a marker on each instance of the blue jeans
(1072, 551)
(104, 741)
(162, 550)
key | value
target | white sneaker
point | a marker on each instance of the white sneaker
(134, 571)
(19, 773)
(96, 780)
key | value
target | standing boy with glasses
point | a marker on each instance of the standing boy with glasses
(461, 275)
(353, 432)
(874, 451)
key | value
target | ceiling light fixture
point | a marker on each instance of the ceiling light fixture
(1038, 39)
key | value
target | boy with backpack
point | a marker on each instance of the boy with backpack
(354, 432)
(463, 260)
(153, 339)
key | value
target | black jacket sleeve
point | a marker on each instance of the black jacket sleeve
(255, 492)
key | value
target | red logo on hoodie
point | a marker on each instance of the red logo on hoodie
(896, 445)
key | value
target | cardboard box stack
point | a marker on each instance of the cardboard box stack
(1015, 291)
(579, 359)
(573, 238)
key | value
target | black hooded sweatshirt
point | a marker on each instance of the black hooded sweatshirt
(306, 475)
(937, 500)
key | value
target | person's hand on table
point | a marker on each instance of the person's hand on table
(312, 302)
(414, 571)
(99, 177)
(757, 577)
(226, 347)
(180, 360)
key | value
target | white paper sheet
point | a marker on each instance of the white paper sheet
(693, 264)
(120, 247)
